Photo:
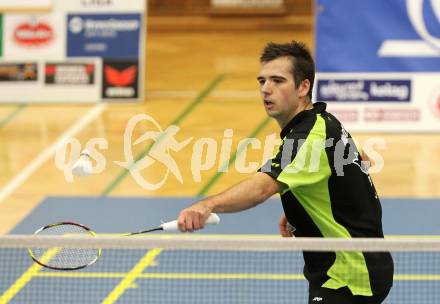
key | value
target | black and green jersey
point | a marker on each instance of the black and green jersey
(329, 193)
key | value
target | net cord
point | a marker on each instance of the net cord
(200, 242)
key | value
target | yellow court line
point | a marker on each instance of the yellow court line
(239, 236)
(223, 276)
(217, 276)
(145, 262)
(81, 275)
(179, 275)
(417, 277)
(25, 278)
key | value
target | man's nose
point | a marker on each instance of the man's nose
(266, 88)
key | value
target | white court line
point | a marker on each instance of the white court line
(49, 152)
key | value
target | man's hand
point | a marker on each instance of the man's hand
(193, 218)
(286, 230)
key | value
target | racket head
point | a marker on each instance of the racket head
(65, 258)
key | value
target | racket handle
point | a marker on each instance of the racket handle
(213, 219)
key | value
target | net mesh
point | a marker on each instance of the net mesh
(175, 269)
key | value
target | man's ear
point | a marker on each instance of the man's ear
(304, 88)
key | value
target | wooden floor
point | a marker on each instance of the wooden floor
(204, 83)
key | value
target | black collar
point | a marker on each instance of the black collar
(318, 107)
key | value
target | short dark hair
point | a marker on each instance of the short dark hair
(303, 65)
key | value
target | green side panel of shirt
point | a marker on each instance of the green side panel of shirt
(307, 177)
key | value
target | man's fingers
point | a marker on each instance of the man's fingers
(181, 222)
(196, 222)
(184, 222)
(190, 220)
(285, 232)
(284, 227)
(189, 224)
(201, 222)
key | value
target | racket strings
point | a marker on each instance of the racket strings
(65, 258)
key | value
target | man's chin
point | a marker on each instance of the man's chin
(272, 114)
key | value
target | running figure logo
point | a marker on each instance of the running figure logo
(164, 141)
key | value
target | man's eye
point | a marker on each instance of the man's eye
(261, 82)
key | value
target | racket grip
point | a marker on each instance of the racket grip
(213, 219)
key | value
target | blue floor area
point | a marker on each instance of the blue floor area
(401, 216)
(417, 278)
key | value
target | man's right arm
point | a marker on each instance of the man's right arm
(242, 196)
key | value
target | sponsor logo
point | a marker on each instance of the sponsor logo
(364, 90)
(427, 46)
(400, 115)
(33, 34)
(103, 35)
(18, 72)
(120, 79)
(76, 25)
(69, 73)
(102, 28)
(408, 39)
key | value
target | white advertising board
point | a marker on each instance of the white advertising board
(75, 81)
(382, 102)
(80, 51)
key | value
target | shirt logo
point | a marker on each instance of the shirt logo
(317, 299)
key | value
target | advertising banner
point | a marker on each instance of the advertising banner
(68, 81)
(120, 79)
(104, 35)
(69, 73)
(78, 51)
(379, 65)
(18, 72)
(381, 102)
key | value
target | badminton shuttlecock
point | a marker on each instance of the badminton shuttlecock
(83, 166)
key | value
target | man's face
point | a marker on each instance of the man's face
(277, 88)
